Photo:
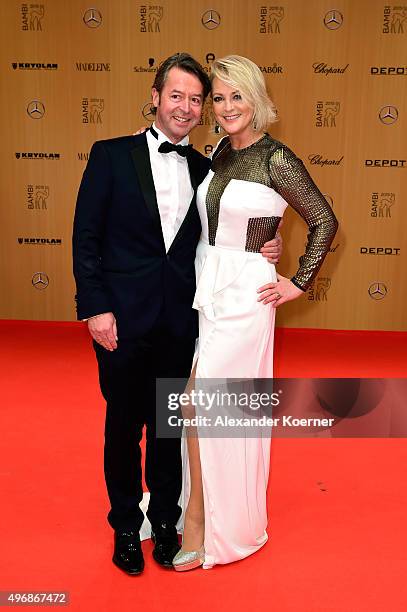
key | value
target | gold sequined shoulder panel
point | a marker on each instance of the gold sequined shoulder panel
(292, 181)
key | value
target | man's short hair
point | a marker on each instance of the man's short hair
(185, 62)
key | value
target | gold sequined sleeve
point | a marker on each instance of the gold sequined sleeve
(292, 181)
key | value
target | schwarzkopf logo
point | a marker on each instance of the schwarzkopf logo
(40, 281)
(92, 18)
(93, 66)
(33, 66)
(377, 291)
(388, 115)
(150, 68)
(37, 196)
(394, 19)
(208, 149)
(31, 17)
(210, 19)
(381, 205)
(35, 109)
(333, 20)
(326, 113)
(386, 163)
(40, 241)
(92, 109)
(319, 289)
(379, 251)
(35, 155)
(209, 58)
(323, 68)
(318, 160)
(150, 17)
(389, 70)
(270, 19)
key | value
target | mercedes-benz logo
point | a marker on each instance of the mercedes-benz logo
(146, 112)
(40, 281)
(333, 20)
(388, 115)
(211, 19)
(92, 18)
(35, 109)
(377, 291)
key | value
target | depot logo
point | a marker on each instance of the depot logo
(379, 251)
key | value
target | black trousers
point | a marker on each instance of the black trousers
(127, 381)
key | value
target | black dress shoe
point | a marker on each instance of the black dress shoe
(127, 552)
(165, 538)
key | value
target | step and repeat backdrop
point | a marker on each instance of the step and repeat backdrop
(75, 72)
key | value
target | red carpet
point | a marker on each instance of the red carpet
(337, 507)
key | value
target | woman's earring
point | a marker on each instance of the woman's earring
(217, 128)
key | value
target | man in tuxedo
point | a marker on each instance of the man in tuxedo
(135, 233)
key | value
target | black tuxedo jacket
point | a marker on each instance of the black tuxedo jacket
(119, 257)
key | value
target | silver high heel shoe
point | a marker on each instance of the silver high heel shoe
(185, 560)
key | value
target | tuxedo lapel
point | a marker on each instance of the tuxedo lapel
(141, 159)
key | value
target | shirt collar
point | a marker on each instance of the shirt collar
(162, 137)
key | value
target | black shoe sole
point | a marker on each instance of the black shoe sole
(127, 571)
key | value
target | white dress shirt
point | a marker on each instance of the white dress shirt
(172, 185)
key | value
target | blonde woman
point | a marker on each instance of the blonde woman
(241, 202)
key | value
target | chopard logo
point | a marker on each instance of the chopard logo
(323, 68)
(318, 160)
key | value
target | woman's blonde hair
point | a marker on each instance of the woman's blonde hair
(244, 75)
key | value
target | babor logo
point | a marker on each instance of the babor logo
(319, 289)
(37, 196)
(35, 109)
(32, 16)
(40, 280)
(333, 20)
(388, 115)
(150, 17)
(92, 109)
(326, 113)
(377, 291)
(394, 19)
(211, 19)
(270, 19)
(381, 205)
(147, 113)
(92, 18)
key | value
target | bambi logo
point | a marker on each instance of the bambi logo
(326, 113)
(92, 18)
(31, 17)
(394, 19)
(377, 291)
(388, 115)
(333, 20)
(150, 17)
(270, 19)
(35, 109)
(37, 196)
(40, 281)
(211, 19)
(319, 289)
(381, 205)
(92, 109)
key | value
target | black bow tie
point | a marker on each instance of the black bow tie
(167, 147)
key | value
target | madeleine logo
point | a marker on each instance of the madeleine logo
(270, 19)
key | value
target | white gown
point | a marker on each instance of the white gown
(236, 332)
